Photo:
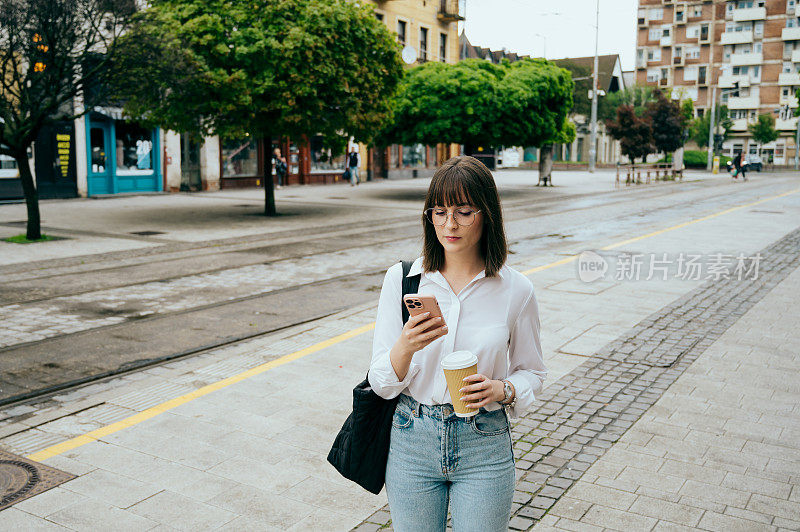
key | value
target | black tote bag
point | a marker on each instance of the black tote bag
(361, 448)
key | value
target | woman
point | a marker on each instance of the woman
(435, 457)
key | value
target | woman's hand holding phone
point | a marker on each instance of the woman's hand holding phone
(419, 331)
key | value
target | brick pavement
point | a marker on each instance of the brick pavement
(578, 419)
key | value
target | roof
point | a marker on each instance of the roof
(468, 51)
(606, 65)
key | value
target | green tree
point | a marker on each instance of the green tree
(475, 102)
(698, 127)
(763, 130)
(636, 96)
(582, 80)
(634, 132)
(441, 102)
(52, 52)
(237, 67)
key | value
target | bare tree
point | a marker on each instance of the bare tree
(53, 53)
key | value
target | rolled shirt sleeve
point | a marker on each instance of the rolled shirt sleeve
(388, 327)
(526, 370)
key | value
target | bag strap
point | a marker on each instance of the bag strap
(410, 286)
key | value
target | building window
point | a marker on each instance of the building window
(423, 44)
(758, 29)
(679, 16)
(697, 11)
(656, 13)
(324, 158)
(690, 74)
(443, 47)
(134, 149)
(653, 75)
(791, 22)
(394, 156)
(756, 71)
(401, 31)
(654, 35)
(692, 32)
(693, 52)
(8, 166)
(654, 54)
(414, 155)
(704, 32)
(239, 158)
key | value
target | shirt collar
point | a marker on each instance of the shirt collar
(416, 269)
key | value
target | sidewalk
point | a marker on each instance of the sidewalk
(720, 450)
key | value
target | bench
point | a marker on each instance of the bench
(633, 172)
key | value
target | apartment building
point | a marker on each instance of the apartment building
(744, 52)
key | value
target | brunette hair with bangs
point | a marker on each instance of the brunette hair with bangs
(465, 180)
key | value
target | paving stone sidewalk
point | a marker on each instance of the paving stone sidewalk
(723, 456)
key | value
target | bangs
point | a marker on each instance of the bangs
(450, 189)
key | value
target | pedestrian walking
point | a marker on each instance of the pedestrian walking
(439, 457)
(281, 167)
(353, 162)
(740, 165)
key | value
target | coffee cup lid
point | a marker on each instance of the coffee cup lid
(459, 360)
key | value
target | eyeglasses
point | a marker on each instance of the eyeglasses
(462, 216)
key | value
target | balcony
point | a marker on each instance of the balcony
(740, 124)
(677, 60)
(796, 56)
(747, 59)
(746, 102)
(790, 100)
(790, 34)
(448, 11)
(786, 125)
(737, 37)
(663, 82)
(788, 78)
(727, 82)
(750, 13)
(666, 40)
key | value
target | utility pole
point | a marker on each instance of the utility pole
(711, 124)
(593, 136)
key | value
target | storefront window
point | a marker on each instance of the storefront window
(414, 155)
(324, 158)
(8, 167)
(239, 158)
(98, 150)
(294, 158)
(134, 149)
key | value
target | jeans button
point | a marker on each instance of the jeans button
(446, 411)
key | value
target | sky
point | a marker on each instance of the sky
(565, 27)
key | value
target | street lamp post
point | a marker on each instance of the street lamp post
(544, 44)
(711, 125)
(593, 136)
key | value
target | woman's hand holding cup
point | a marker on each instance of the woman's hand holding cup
(419, 331)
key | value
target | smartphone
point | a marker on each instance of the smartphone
(419, 304)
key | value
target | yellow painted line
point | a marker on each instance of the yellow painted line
(572, 258)
(152, 412)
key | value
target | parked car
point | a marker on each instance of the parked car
(754, 162)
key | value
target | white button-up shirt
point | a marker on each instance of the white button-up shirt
(496, 318)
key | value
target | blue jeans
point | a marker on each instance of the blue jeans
(354, 175)
(437, 458)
